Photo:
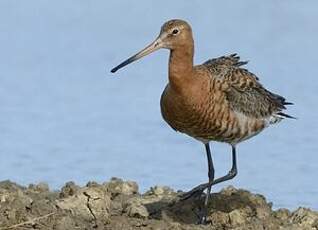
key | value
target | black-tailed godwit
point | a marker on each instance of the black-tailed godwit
(216, 101)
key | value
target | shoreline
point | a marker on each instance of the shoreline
(117, 204)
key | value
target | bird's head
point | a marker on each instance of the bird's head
(174, 34)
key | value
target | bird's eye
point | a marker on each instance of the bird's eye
(175, 31)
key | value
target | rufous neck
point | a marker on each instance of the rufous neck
(181, 65)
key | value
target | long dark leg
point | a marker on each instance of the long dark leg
(211, 178)
(231, 174)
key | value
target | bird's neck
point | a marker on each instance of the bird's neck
(181, 66)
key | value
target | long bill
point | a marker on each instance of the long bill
(149, 49)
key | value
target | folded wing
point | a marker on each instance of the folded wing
(243, 90)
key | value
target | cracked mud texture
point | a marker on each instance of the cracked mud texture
(117, 204)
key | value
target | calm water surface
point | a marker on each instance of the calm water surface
(65, 117)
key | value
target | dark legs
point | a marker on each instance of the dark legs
(211, 178)
(199, 189)
(232, 173)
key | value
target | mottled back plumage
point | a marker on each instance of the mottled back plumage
(244, 92)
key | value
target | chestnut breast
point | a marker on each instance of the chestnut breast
(187, 108)
(202, 111)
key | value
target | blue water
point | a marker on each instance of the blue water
(63, 116)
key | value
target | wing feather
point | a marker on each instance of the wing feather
(245, 93)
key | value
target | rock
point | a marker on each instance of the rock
(135, 208)
(10, 186)
(69, 189)
(14, 203)
(41, 187)
(239, 216)
(219, 219)
(282, 214)
(117, 186)
(91, 204)
(160, 191)
(65, 222)
(305, 218)
(117, 205)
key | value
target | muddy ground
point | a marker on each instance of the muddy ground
(118, 205)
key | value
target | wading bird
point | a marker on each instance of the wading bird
(216, 101)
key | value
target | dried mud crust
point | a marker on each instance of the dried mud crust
(117, 204)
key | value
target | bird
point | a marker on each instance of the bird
(217, 101)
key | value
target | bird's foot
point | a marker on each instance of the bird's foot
(197, 191)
